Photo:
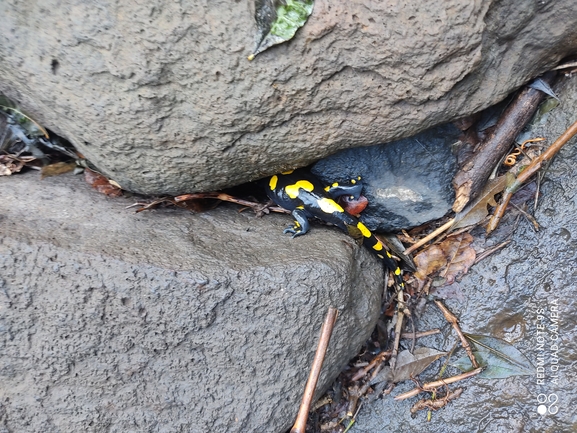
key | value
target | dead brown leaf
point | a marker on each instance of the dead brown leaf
(460, 256)
(429, 261)
(57, 169)
(9, 165)
(477, 211)
(452, 257)
(409, 365)
(101, 183)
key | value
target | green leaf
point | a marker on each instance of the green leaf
(500, 358)
(278, 20)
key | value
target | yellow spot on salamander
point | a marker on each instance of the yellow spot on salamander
(398, 271)
(334, 185)
(293, 190)
(287, 172)
(353, 181)
(272, 182)
(389, 255)
(378, 246)
(327, 188)
(365, 231)
(329, 206)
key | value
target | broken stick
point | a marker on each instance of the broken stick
(326, 331)
(529, 171)
(474, 174)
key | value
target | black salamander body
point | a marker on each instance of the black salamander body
(304, 195)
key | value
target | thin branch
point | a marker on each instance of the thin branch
(470, 179)
(565, 66)
(411, 335)
(452, 319)
(432, 385)
(528, 172)
(326, 331)
(376, 361)
(491, 250)
(437, 403)
(429, 237)
(227, 197)
(398, 327)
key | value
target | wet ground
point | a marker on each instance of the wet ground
(524, 294)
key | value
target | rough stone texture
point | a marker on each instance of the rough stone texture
(524, 294)
(165, 321)
(407, 182)
(160, 96)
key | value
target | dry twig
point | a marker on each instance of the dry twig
(326, 331)
(377, 360)
(412, 335)
(491, 250)
(452, 319)
(227, 197)
(473, 175)
(398, 327)
(429, 237)
(438, 403)
(529, 171)
(432, 385)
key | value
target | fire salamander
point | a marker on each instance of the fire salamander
(304, 195)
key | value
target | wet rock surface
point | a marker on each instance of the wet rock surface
(524, 294)
(407, 182)
(160, 96)
(165, 320)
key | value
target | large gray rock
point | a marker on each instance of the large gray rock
(165, 321)
(160, 96)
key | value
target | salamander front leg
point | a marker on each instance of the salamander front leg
(301, 225)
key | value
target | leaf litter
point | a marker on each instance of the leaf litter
(25, 144)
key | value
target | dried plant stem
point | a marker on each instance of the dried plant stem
(452, 319)
(470, 179)
(226, 197)
(429, 237)
(528, 172)
(377, 360)
(438, 403)
(398, 327)
(326, 331)
(40, 127)
(432, 385)
(491, 250)
(411, 335)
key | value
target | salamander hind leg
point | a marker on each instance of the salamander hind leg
(301, 225)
